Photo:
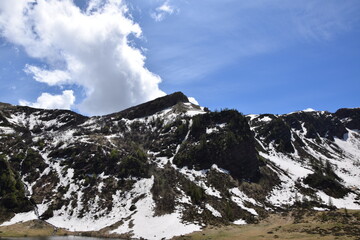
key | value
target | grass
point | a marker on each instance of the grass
(310, 226)
(34, 228)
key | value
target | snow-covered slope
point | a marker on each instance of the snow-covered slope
(316, 156)
(169, 167)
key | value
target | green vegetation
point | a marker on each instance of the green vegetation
(229, 212)
(33, 164)
(134, 165)
(164, 190)
(279, 132)
(195, 192)
(12, 193)
(324, 178)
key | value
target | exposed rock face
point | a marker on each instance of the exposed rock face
(221, 138)
(172, 166)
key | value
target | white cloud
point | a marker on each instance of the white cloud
(86, 48)
(48, 101)
(166, 8)
(52, 78)
(160, 12)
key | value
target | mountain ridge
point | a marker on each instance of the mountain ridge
(170, 100)
(173, 165)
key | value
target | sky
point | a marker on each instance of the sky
(258, 56)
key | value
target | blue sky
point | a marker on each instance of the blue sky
(257, 56)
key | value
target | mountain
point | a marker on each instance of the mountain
(169, 167)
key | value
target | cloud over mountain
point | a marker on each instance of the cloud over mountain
(49, 101)
(90, 48)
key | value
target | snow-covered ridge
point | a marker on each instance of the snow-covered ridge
(331, 142)
(122, 170)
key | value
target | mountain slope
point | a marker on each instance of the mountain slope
(168, 167)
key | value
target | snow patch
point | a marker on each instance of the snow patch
(309, 110)
(221, 170)
(148, 226)
(240, 222)
(193, 101)
(265, 119)
(213, 211)
(27, 216)
(240, 198)
(7, 130)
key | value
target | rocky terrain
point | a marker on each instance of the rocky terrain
(169, 167)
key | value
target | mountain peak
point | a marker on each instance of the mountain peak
(152, 107)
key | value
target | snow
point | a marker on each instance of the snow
(21, 217)
(91, 124)
(120, 210)
(304, 129)
(65, 137)
(184, 140)
(100, 186)
(346, 202)
(148, 226)
(143, 222)
(169, 115)
(199, 177)
(243, 196)
(295, 169)
(183, 197)
(216, 168)
(240, 198)
(285, 193)
(215, 129)
(209, 190)
(6, 130)
(27, 216)
(350, 144)
(34, 119)
(160, 161)
(211, 130)
(320, 209)
(17, 119)
(239, 222)
(213, 211)
(265, 119)
(114, 136)
(252, 116)
(194, 112)
(193, 100)
(309, 110)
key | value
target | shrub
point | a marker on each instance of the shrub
(134, 165)
(195, 192)
(12, 192)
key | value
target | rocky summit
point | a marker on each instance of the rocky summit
(169, 167)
